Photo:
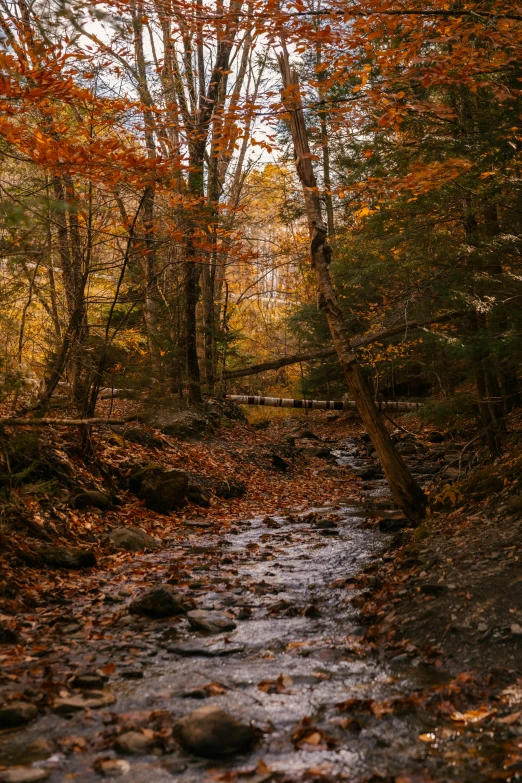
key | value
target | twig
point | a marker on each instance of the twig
(59, 422)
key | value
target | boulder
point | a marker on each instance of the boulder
(158, 602)
(134, 743)
(7, 635)
(93, 498)
(185, 425)
(162, 490)
(210, 621)
(213, 733)
(24, 775)
(17, 713)
(133, 539)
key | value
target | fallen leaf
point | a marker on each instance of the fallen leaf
(473, 716)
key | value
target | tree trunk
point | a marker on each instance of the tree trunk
(407, 493)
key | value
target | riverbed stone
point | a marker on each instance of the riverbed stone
(210, 621)
(211, 732)
(17, 713)
(158, 602)
(134, 743)
(24, 775)
(92, 700)
(88, 681)
(132, 539)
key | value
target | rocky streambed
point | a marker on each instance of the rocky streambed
(223, 656)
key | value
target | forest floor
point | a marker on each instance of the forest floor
(332, 641)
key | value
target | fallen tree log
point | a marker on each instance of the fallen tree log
(17, 422)
(325, 353)
(325, 405)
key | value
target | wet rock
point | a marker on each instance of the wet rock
(24, 775)
(59, 557)
(133, 539)
(132, 674)
(91, 701)
(393, 524)
(162, 490)
(7, 635)
(158, 602)
(175, 765)
(210, 621)
(134, 743)
(41, 747)
(17, 713)
(93, 498)
(194, 650)
(112, 768)
(213, 733)
(325, 524)
(88, 681)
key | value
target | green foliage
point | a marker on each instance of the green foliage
(449, 413)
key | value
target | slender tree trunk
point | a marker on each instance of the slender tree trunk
(149, 263)
(407, 493)
(323, 120)
(486, 383)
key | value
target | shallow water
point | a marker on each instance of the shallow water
(290, 576)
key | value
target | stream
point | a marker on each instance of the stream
(294, 655)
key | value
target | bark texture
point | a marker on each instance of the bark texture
(407, 493)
